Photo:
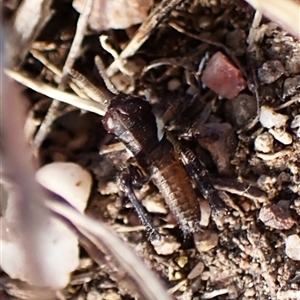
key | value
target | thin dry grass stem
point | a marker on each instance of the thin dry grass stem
(102, 237)
(54, 109)
(76, 44)
(239, 188)
(42, 59)
(252, 35)
(273, 156)
(161, 11)
(288, 103)
(80, 84)
(120, 64)
(213, 294)
(54, 93)
(284, 13)
(103, 39)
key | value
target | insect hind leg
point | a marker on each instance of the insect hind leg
(127, 187)
(201, 177)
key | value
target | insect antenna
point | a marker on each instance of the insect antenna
(101, 68)
(90, 89)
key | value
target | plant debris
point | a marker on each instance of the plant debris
(225, 81)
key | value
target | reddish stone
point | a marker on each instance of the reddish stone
(221, 76)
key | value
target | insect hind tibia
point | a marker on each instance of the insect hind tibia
(200, 175)
(126, 184)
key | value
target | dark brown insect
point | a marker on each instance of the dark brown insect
(132, 121)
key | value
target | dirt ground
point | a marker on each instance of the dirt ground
(248, 140)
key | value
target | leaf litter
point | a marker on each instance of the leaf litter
(252, 253)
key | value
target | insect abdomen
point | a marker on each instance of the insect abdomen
(171, 178)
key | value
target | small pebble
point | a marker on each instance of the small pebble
(292, 64)
(269, 118)
(205, 212)
(236, 40)
(154, 204)
(276, 216)
(240, 110)
(264, 143)
(205, 241)
(68, 180)
(298, 133)
(296, 122)
(281, 136)
(195, 287)
(297, 202)
(220, 141)
(205, 275)
(270, 71)
(178, 276)
(284, 177)
(85, 263)
(249, 292)
(196, 271)
(222, 77)
(290, 86)
(232, 292)
(292, 247)
(181, 261)
(166, 246)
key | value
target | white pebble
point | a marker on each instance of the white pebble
(205, 209)
(154, 204)
(281, 136)
(68, 180)
(264, 142)
(166, 246)
(296, 122)
(298, 133)
(292, 247)
(269, 118)
(206, 240)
